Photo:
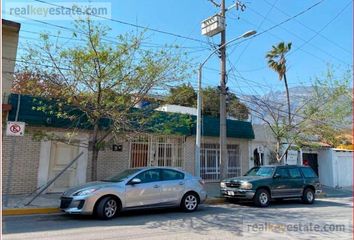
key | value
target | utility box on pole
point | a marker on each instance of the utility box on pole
(213, 25)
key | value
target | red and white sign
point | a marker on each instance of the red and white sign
(15, 129)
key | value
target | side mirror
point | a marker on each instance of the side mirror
(277, 175)
(135, 181)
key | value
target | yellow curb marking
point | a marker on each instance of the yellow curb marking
(25, 211)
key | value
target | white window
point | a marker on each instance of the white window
(210, 161)
(157, 151)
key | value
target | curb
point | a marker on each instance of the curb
(214, 201)
(321, 195)
(29, 211)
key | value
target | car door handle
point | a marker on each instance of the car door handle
(181, 183)
(156, 186)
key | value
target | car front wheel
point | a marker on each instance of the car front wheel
(107, 208)
(308, 196)
(189, 202)
(262, 198)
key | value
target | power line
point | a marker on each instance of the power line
(132, 24)
(323, 28)
(313, 30)
(281, 23)
(200, 49)
(258, 27)
(301, 38)
(144, 44)
(276, 36)
(38, 64)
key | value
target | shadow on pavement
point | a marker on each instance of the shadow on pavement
(228, 217)
(293, 203)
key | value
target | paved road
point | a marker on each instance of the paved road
(226, 221)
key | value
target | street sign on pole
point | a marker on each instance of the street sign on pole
(16, 129)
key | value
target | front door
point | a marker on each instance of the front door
(61, 155)
(147, 193)
(310, 159)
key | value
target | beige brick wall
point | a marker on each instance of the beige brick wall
(24, 165)
(109, 162)
(27, 154)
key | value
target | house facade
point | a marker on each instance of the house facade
(33, 161)
(10, 32)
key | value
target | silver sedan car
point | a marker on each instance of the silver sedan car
(152, 187)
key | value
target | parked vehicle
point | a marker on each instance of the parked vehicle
(264, 183)
(152, 187)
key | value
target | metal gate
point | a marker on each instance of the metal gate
(157, 151)
(210, 162)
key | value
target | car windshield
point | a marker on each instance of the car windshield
(261, 171)
(122, 175)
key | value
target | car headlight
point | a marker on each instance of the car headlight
(223, 185)
(85, 192)
(246, 185)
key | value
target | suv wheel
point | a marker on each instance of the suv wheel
(308, 196)
(262, 198)
(107, 208)
(189, 202)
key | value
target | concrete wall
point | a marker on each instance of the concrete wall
(9, 50)
(325, 167)
(343, 162)
(335, 167)
(189, 154)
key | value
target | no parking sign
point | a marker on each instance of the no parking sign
(15, 129)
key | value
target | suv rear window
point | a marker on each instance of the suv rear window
(308, 172)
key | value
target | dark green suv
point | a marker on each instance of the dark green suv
(262, 184)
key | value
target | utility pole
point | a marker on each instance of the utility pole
(211, 27)
(223, 92)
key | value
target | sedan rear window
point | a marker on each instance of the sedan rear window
(308, 172)
(171, 175)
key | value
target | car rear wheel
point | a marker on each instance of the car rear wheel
(107, 208)
(190, 202)
(262, 198)
(308, 196)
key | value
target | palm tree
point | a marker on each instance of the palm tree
(277, 62)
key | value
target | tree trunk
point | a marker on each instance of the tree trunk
(277, 150)
(95, 150)
(288, 98)
(289, 110)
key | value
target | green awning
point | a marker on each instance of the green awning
(177, 124)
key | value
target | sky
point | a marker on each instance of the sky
(320, 36)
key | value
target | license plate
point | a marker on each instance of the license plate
(230, 193)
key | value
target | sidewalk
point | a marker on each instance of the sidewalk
(49, 203)
(43, 200)
(337, 192)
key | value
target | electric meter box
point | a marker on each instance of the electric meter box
(213, 25)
